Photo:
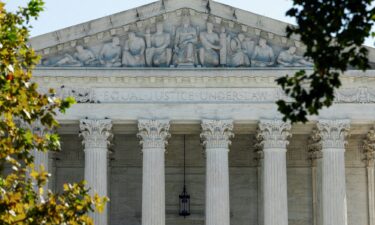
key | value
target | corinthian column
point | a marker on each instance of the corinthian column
(96, 135)
(216, 136)
(369, 151)
(273, 135)
(153, 135)
(333, 135)
(40, 158)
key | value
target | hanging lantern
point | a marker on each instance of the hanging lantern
(184, 203)
(184, 196)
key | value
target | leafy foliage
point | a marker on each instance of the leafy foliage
(333, 32)
(22, 197)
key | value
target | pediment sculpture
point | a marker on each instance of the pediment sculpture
(182, 41)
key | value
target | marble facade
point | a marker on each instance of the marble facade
(145, 78)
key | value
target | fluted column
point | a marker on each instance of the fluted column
(273, 135)
(216, 136)
(315, 152)
(96, 135)
(40, 158)
(153, 135)
(333, 135)
(369, 151)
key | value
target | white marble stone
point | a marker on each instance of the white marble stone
(273, 135)
(96, 135)
(369, 152)
(216, 135)
(186, 96)
(333, 134)
(153, 136)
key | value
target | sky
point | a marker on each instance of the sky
(59, 14)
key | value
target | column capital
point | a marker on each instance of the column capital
(217, 133)
(273, 134)
(153, 133)
(369, 148)
(36, 127)
(315, 147)
(96, 133)
(332, 133)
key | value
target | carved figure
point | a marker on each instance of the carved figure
(158, 52)
(85, 56)
(110, 54)
(247, 45)
(134, 51)
(263, 55)
(237, 54)
(223, 49)
(208, 54)
(186, 38)
(289, 58)
(68, 60)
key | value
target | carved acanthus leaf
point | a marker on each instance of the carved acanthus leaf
(96, 133)
(217, 133)
(153, 133)
(369, 148)
(273, 134)
(333, 133)
(36, 127)
(315, 146)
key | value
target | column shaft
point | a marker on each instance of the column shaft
(96, 164)
(216, 136)
(369, 153)
(217, 187)
(275, 187)
(153, 188)
(96, 135)
(153, 135)
(41, 159)
(371, 194)
(333, 186)
(273, 135)
(332, 136)
(260, 192)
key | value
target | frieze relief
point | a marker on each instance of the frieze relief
(179, 40)
(361, 95)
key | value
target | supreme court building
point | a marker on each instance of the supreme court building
(183, 92)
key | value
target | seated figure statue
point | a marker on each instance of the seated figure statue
(263, 55)
(208, 54)
(134, 51)
(185, 41)
(248, 45)
(85, 56)
(159, 53)
(237, 54)
(289, 58)
(110, 54)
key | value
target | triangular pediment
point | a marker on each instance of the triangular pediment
(131, 39)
